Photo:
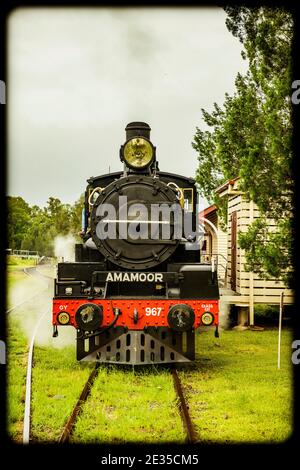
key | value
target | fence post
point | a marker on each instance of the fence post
(279, 329)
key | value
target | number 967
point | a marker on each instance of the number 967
(154, 311)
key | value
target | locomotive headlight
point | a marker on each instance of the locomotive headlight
(63, 318)
(207, 318)
(138, 153)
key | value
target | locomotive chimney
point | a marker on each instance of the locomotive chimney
(137, 129)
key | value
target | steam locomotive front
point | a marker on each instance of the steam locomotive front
(126, 218)
(137, 290)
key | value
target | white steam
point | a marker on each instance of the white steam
(39, 294)
(64, 247)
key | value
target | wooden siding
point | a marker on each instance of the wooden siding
(222, 253)
(233, 250)
(234, 203)
(264, 291)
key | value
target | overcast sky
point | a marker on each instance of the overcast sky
(76, 77)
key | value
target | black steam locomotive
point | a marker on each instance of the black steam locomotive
(137, 290)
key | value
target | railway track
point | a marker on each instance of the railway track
(32, 271)
(191, 436)
(68, 429)
(27, 409)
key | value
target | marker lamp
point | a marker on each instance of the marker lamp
(207, 318)
(63, 318)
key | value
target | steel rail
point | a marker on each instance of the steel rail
(27, 408)
(68, 429)
(33, 272)
(191, 436)
(26, 423)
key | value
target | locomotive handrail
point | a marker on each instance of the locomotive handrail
(171, 184)
(216, 256)
(92, 194)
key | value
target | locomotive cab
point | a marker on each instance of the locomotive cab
(137, 290)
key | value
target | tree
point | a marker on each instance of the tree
(34, 228)
(250, 136)
(76, 215)
(18, 220)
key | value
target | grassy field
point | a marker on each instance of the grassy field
(16, 377)
(235, 391)
(18, 262)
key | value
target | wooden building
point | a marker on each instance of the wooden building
(241, 288)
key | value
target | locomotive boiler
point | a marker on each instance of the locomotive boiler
(137, 290)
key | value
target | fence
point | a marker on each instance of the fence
(22, 253)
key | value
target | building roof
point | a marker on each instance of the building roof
(208, 210)
(226, 184)
(212, 208)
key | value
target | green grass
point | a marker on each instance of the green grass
(235, 391)
(128, 406)
(18, 262)
(16, 377)
(58, 379)
(15, 274)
